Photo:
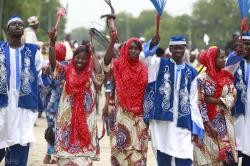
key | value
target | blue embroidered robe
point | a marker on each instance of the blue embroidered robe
(240, 84)
(28, 87)
(159, 95)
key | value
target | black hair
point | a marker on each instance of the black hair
(160, 51)
(81, 48)
(84, 42)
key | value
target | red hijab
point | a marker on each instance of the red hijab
(60, 50)
(77, 85)
(131, 77)
(220, 77)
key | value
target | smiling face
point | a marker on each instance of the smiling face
(81, 58)
(177, 52)
(15, 29)
(134, 51)
(220, 60)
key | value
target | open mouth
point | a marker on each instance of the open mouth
(78, 64)
(18, 30)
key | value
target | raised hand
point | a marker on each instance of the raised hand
(155, 40)
(52, 36)
(113, 36)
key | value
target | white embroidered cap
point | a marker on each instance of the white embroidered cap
(13, 19)
(177, 40)
(245, 36)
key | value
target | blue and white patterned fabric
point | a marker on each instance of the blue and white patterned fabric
(170, 105)
(240, 84)
(177, 40)
(159, 96)
(26, 80)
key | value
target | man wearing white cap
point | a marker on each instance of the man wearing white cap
(170, 104)
(19, 65)
(30, 31)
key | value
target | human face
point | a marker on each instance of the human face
(220, 60)
(15, 28)
(133, 51)
(192, 58)
(247, 47)
(81, 60)
(177, 52)
(35, 27)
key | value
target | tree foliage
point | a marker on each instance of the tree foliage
(217, 18)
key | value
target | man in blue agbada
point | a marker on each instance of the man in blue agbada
(239, 62)
(170, 105)
(20, 64)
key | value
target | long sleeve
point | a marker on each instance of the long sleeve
(197, 123)
(147, 54)
(201, 101)
(151, 61)
(233, 61)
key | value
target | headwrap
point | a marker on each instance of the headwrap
(60, 50)
(76, 86)
(131, 78)
(13, 19)
(177, 40)
(220, 77)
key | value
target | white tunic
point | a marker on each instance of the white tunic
(16, 124)
(165, 135)
(29, 36)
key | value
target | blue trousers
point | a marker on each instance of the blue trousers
(245, 159)
(17, 155)
(2, 154)
(165, 160)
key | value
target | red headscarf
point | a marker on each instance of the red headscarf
(77, 85)
(220, 77)
(131, 77)
(60, 50)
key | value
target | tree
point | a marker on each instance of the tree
(219, 19)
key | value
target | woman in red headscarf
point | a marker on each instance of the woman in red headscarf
(216, 97)
(76, 128)
(128, 132)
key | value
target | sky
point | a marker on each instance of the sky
(87, 12)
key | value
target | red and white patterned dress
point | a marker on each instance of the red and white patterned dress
(74, 154)
(214, 148)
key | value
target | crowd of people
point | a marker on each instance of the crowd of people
(193, 106)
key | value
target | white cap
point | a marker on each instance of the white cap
(33, 20)
(14, 18)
